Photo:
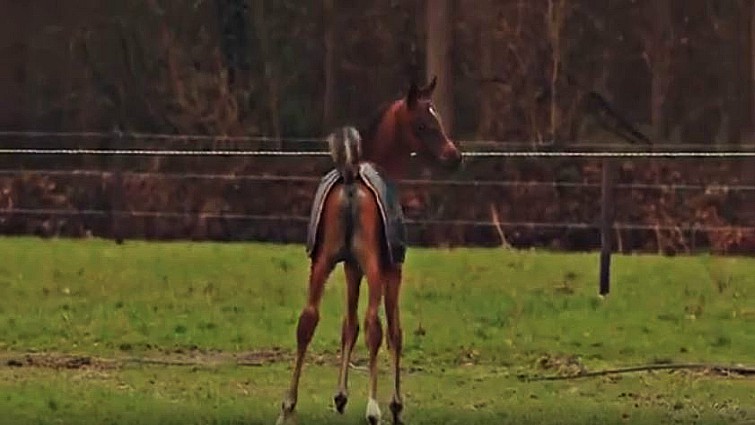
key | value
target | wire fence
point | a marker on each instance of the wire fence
(304, 219)
(492, 150)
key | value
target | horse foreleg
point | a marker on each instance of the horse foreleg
(349, 333)
(308, 320)
(374, 336)
(395, 338)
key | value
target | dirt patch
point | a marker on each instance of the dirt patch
(192, 357)
(59, 361)
(202, 357)
(263, 357)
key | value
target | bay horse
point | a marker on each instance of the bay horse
(356, 219)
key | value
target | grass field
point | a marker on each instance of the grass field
(199, 333)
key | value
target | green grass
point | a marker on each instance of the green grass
(473, 320)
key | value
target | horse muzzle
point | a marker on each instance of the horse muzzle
(451, 159)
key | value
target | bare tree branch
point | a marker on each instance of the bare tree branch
(725, 370)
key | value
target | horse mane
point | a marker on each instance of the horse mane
(369, 131)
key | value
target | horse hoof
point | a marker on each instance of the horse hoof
(373, 412)
(396, 408)
(286, 418)
(340, 401)
(287, 414)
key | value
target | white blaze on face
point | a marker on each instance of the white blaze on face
(434, 113)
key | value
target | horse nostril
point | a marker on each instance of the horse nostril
(458, 160)
(453, 159)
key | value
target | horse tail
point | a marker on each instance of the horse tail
(346, 150)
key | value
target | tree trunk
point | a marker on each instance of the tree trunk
(271, 79)
(15, 70)
(752, 67)
(657, 100)
(412, 19)
(233, 39)
(329, 95)
(555, 20)
(658, 54)
(739, 63)
(749, 75)
(748, 175)
(487, 44)
(439, 57)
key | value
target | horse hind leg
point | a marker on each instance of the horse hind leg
(308, 320)
(332, 244)
(367, 248)
(374, 336)
(395, 338)
(350, 331)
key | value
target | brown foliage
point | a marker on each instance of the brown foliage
(679, 214)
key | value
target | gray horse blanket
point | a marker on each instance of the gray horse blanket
(394, 230)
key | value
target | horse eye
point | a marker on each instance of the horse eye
(421, 127)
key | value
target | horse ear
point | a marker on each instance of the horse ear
(428, 90)
(412, 95)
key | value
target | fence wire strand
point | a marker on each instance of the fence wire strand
(420, 182)
(301, 153)
(274, 140)
(4, 213)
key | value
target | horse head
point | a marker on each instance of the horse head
(423, 127)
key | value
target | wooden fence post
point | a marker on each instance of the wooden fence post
(606, 224)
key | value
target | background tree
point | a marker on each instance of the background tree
(266, 63)
(330, 65)
(682, 68)
(487, 28)
(440, 35)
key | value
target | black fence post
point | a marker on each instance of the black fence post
(606, 224)
(116, 188)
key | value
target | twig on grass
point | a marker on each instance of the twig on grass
(358, 368)
(494, 214)
(160, 362)
(724, 370)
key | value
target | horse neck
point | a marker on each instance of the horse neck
(388, 148)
